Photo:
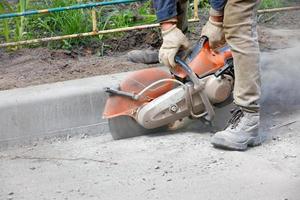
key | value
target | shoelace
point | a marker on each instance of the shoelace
(237, 114)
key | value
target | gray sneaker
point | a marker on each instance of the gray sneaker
(148, 56)
(241, 132)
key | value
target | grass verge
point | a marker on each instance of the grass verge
(79, 21)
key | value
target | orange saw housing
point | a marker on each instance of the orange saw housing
(202, 60)
(134, 83)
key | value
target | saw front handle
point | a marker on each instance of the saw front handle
(196, 81)
(209, 112)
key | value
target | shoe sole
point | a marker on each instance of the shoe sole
(225, 144)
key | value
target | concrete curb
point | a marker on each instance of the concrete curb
(58, 109)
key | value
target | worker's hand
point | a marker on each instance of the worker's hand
(173, 41)
(214, 31)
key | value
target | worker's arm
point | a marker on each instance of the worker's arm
(165, 9)
(217, 10)
(218, 5)
(173, 38)
(214, 27)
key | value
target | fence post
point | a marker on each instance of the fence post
(196, 10)
(94, 20)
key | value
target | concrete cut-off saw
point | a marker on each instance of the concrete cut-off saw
(152, 99)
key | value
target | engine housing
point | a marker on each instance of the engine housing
(172, 105)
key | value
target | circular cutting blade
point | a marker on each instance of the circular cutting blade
(126, 127)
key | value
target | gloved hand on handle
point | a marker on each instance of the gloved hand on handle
(214, 29)
(173, 41)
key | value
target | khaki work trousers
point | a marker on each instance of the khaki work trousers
(241, 35)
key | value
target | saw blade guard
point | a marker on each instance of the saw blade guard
(117, 105)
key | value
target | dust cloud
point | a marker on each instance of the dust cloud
(280, 71)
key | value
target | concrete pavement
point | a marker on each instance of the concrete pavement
(63, 108)
(170, 166)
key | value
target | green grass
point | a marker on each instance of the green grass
(69, 22)
(13, 29)
(61, 23)
(271, 4)
(204, 4)
(5, 30)
(79, 21)
(126, 18)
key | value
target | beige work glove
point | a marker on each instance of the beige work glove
(173, 41)
(214, 31)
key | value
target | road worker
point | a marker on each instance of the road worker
(232, 22)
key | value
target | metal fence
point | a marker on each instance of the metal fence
(95, 30)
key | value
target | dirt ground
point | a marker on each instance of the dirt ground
(27, 67)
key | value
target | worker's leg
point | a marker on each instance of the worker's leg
(149, 56)
(241, 35)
